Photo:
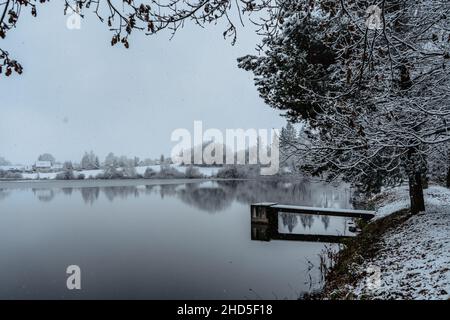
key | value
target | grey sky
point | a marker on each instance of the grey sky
(78, 93)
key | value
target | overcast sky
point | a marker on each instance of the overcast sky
(78, 93)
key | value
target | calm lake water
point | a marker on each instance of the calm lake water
(172, 241)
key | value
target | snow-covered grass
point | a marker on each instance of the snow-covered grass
(92, 174)
(392, 200)
(88, 174)
(206, 171)
(40, 175)
(412, 259)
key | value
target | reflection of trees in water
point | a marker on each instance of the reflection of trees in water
(289, 220)
(208, 199)
(3, 194)
(216, 196)
(307, 220)
(169, 190)
(44, 195)
(89, 195)
(325, 221)
(288, 192)
(67, 191)
(122, 192)
(262, 191)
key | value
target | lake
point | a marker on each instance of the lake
(160, 240)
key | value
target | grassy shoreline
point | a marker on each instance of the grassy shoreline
(397, 255)
(340, 277)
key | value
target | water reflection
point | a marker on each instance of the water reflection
(4, 193)
(216, 196)
(315, 224)
(212, 199)
(90, 195)
(269, 223)
(290, 221)
(122, 192)
(44, 195)
(142, 240)
(67, 191)
(168, 190)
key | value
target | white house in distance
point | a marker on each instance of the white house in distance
(43, 166)
(57, 166)
(39, 166)
(17, 168)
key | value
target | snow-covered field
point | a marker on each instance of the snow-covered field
(90, 174)
(414, 260)
(206, 171)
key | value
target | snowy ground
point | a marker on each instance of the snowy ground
(90, 174)
(414, 260)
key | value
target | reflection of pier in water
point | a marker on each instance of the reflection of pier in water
(265, 222)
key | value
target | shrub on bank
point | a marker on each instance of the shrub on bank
(65, 175)
(149, 173)
(238, 172)
(111, 173)
(168, 172)
(193, 173)
(10, 175)
(130, 173)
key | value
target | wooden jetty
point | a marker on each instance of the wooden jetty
(260, 210)
(264, 221)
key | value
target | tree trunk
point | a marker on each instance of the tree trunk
(416, 193)
(448, 178)
(425, 181)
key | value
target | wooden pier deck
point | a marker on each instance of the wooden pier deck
(275, 207)
(264, 221)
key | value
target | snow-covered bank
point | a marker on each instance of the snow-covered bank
(412, 259)
(395, 199)
(92, 174)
